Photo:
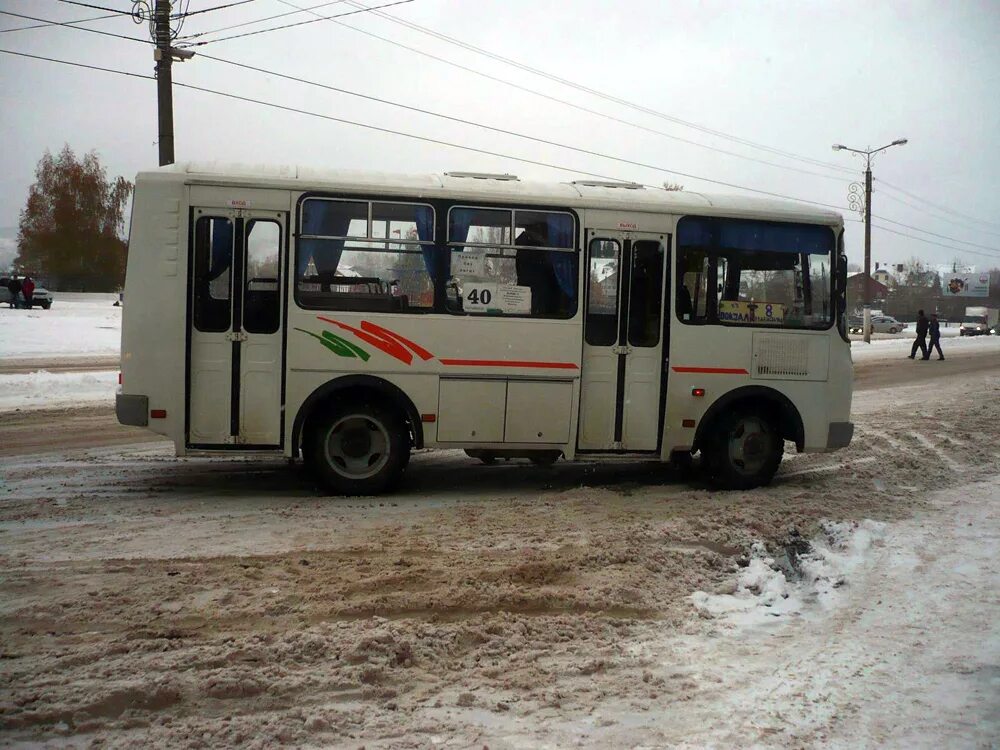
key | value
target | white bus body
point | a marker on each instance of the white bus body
(349, 317)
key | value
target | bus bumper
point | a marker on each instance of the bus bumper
(840, 435)
(132, 410)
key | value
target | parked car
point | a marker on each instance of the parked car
(886, 324)
(41, 297)
(880, 324)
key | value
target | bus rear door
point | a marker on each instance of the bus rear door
(236, 328)
(623, 351)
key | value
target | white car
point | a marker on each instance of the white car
(880, 324)
(41, 297)
(886, 324)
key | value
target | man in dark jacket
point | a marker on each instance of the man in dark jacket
(935, 331)
(14, 285)
(921, 340)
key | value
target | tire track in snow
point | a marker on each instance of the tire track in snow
(924, 441)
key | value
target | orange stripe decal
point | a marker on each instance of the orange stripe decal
(508, 363)
(713, 370)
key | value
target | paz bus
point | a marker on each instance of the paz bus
(348, 318)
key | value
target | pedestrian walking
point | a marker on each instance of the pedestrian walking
(935, 332)
(921, 340)
(14, 285)
(28, 290)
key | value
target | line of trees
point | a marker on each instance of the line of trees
(71, 231)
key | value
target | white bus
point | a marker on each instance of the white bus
(348, 318)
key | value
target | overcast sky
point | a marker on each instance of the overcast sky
(793, 76)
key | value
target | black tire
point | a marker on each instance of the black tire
(485, 456)
(358, 448)
(893, 330)
(46, 305)
(545, 458)
(682, 462)
(743, 450)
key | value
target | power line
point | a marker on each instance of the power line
(935, 234)
(297, 23)
(97, 7)
(185, 14)
(65, 23)
(937, 216)
(592, 91)
(69, 25)
(79, 65)
(462, 121)
(507, 156)
(262, 20)
(318, 115)
(935, 205)
(413, 136)
(932, 242)
(567, 103)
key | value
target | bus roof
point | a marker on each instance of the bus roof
(507, 188)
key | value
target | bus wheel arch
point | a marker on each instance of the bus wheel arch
(768, 415)
(356, 388)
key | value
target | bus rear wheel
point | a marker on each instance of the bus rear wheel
(744, 450)
(358, 449)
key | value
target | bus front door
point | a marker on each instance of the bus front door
(235, 353)
(623, 358)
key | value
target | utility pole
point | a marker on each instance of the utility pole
(157, 14)
(164, 81)
(853, 203)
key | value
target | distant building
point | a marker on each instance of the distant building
(855, 291)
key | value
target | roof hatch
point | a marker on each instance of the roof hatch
(484, 176)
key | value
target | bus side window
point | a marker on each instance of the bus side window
(693, 285)
(262, 296)
(213, 269)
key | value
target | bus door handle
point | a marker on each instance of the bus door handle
(236, 336)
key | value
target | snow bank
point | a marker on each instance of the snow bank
(900, 347)
(76, 324)
(43, 390)
(767, 588)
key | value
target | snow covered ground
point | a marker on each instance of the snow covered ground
(152, 601)
(88, 325)
(77, 324)
(44, 390)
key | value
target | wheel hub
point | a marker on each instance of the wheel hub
(357, 446)
(748, 445)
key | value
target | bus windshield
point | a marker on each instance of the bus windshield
(762, 273)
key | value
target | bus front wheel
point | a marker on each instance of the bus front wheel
(359, 448)
(744, 450)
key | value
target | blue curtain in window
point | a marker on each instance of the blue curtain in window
(322, 217)
(424, 216)
(773, 237)
(694, 231)
(222, 248)
(560, 228)
(459, 223)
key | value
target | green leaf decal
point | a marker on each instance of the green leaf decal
(338, 346)
(361, 353)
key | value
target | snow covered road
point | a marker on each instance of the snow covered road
(164, 602)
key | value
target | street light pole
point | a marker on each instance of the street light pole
(867, 301)
(867, 322)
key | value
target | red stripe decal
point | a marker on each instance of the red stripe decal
(714, 370)
(507, 363)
